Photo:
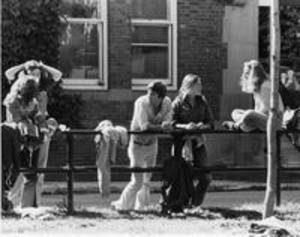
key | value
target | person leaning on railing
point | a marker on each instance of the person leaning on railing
(44, 76)
(191, 111)
(151, 111)
(21, 114)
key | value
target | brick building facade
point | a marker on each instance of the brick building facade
(207, 37)
(200, 50)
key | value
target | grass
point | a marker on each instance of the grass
(209, 221)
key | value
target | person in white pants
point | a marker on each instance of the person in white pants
(151, 111)
(21, 195)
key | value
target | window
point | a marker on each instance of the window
(83, 44)
(154, 42)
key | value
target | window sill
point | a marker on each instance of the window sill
(83, 85)
(141, 84)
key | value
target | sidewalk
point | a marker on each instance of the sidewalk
(117, 187)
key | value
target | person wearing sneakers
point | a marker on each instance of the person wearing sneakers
(151, 111)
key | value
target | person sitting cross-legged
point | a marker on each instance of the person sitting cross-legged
(255, 81)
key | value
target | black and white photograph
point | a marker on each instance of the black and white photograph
(150, 118)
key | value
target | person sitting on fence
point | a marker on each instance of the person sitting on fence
(255, 81)
(191, 111)
(107, 142)
(151, 111)
(44, 76)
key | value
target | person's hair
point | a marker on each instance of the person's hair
(188, 83)
(46, 79)
(28, 90)
(254, 73)
(158, 87)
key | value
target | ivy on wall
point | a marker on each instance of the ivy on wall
(30, 30)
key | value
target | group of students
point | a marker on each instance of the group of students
(26, 132)
(26, 105)
(189, 110)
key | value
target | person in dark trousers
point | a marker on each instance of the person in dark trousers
(10, 162)
(191, 111)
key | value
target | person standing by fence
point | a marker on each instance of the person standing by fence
(44, 76)
(151, 111)
(191, 111)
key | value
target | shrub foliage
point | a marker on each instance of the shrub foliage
(30, 30)
(290, 36)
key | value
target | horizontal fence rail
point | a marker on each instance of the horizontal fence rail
(71, 168)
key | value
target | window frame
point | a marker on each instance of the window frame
(100, 83)
(171, 23)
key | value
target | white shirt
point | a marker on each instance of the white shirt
(144, 114)
(262, 99)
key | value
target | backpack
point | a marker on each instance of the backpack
(177, 185)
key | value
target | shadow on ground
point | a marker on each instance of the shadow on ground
(210, 213)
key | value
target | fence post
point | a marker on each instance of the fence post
(278, 158)
(70, 172)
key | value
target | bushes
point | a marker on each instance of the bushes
(30, 30)
(290, 36)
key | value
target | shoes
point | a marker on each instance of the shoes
(230, 125)
(116, 205)
(178, 215)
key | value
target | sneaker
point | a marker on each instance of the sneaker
(116, 205)
(178, 215)
(230, 125)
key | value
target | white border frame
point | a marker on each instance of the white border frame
(141, 83)
(94, 84)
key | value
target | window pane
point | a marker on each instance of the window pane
(79, 51)
(79, 8)
(150, 62)
(150, 34)
(149, 9)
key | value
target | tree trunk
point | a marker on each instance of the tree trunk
(272, 124)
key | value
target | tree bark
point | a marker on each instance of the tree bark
(272, 124)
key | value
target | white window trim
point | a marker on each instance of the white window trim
(171, 82)
(94, 84)
(264, 3)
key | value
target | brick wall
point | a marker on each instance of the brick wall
(200, 51)
(119, 43)
(200, 47)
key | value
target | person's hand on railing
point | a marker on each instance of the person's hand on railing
(203, 126)
(166, 125)
(188, 126)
